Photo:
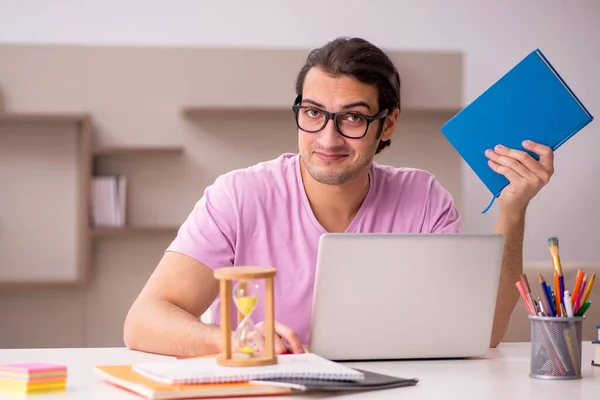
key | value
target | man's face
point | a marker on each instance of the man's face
(329, 157)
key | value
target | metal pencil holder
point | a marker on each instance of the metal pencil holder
(556, 347)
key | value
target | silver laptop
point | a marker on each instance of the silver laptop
(404, 296)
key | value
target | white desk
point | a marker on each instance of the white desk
(502, 374)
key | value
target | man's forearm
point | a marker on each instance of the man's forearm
(512, 227)
(163, 328)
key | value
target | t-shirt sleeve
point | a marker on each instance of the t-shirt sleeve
(208, 234)
(442, 215)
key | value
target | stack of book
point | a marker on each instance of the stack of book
(202, 377)
(596, 360)
(32, 378)
(109, 196)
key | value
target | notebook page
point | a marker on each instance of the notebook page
(206, 370)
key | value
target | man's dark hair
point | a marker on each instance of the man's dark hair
(363, 61)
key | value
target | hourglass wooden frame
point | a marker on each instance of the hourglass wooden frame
(225, 276)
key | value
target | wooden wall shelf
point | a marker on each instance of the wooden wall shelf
(43, 118)
(137, 151)
(87, 154)
(193, 111)
(135, 231)
(82, 123)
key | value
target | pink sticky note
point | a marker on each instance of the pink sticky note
(32, 368)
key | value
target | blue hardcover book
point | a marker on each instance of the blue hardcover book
(531, 101)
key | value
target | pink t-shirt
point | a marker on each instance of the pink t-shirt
(260, 216)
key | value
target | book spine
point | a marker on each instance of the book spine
(555, 72)
(567, 137)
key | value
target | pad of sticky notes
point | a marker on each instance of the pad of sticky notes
(30, 378)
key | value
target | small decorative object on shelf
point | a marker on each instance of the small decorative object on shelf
(141, 151)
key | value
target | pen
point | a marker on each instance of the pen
(551, 294)
(556, 354)
(568, 304)
(541, 308)
(548, 296)
(571, 346)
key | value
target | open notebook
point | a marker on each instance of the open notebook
(206, 370)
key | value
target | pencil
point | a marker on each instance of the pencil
(588, 288)
(583, 309)
(557, 294)
(578, 301)
(570, 348)
(577, 286)
(547, 296)
(542, 310)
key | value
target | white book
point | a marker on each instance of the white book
(120, 201)
(99, 194)
(111, 203)
(105, 202)
(206, 370)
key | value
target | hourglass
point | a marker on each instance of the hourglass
(246, 347)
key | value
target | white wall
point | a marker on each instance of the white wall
(134, 96)
(492, 35)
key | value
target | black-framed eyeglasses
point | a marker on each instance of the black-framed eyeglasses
(349, 124)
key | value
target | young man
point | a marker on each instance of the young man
(273, 213)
